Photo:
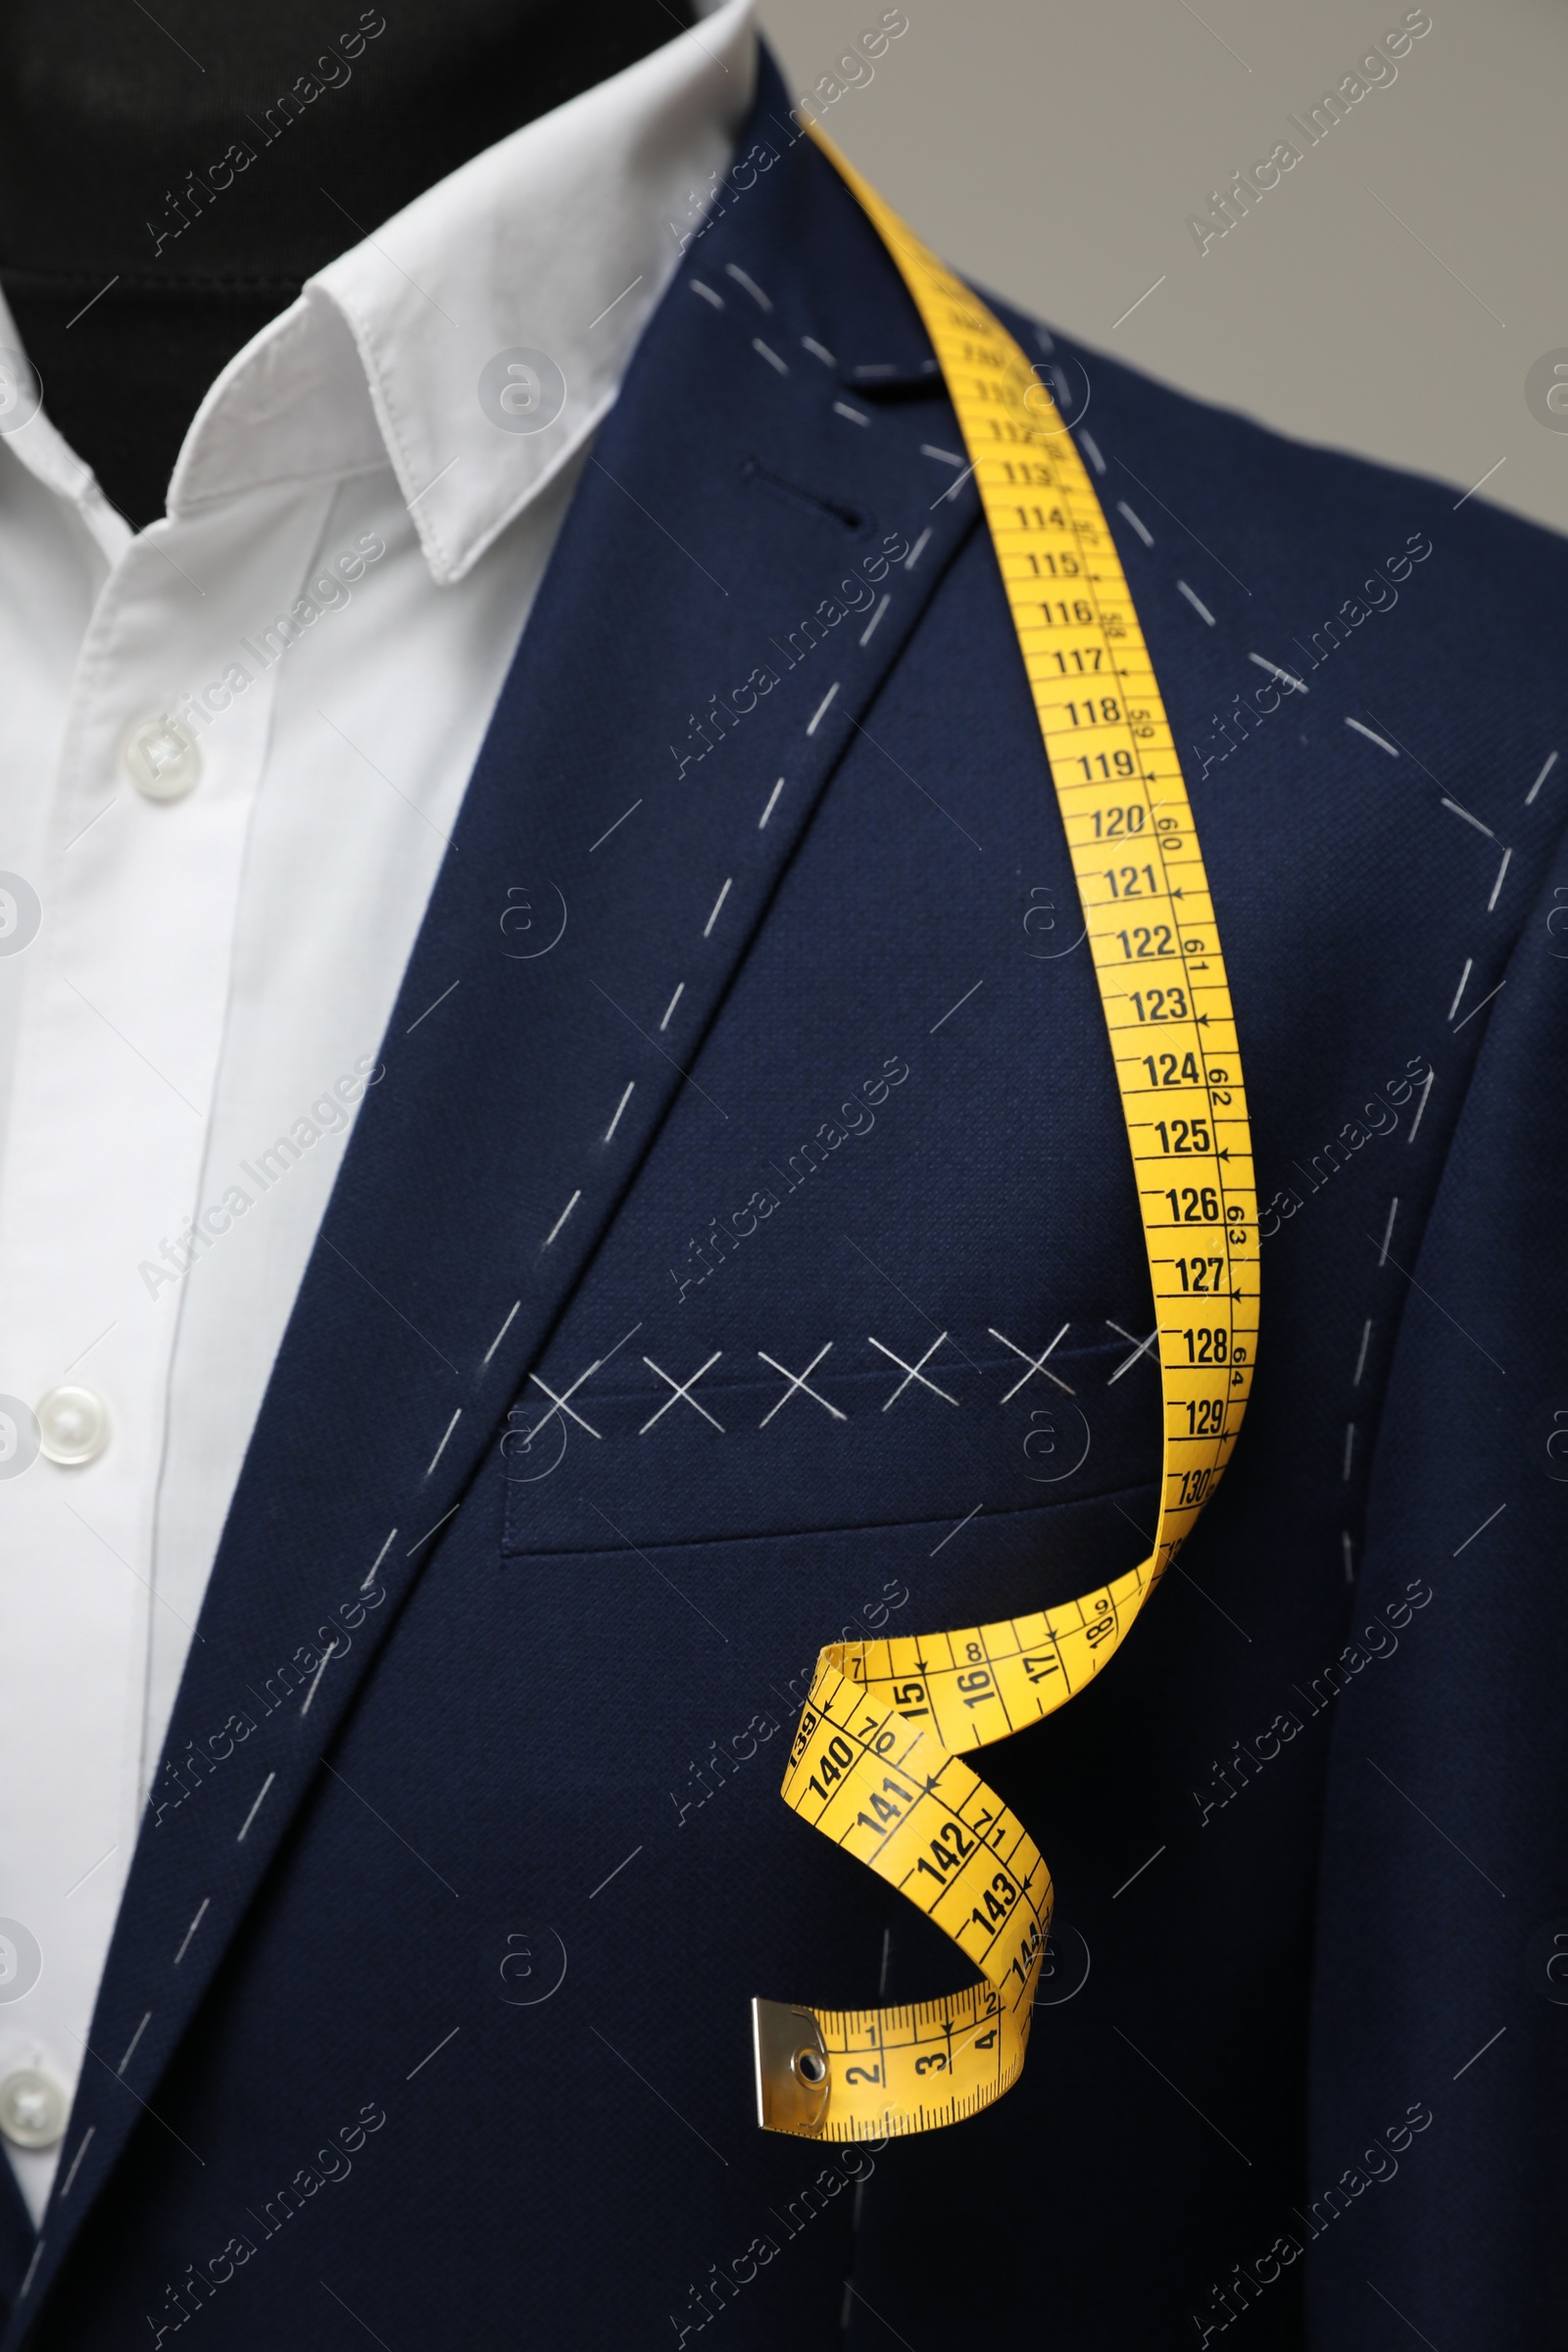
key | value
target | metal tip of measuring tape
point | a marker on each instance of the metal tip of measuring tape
(794, 2076)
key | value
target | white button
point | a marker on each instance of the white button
(32, 2109)
(161, 758)
(73, 1425)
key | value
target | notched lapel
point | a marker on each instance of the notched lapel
(721, 609)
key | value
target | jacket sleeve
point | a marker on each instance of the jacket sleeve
(1442, 1967)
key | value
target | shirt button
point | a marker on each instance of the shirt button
(73, 1427)
(161, 757)
(32, 2109)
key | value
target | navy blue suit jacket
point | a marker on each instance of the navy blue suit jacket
(437, 1956)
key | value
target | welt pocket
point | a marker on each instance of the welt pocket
(744, 1454)
(1137, 1504)
(782, 1594)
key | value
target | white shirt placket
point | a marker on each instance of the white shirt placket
(117, 1064)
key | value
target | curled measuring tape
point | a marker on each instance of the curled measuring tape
(877, 1763)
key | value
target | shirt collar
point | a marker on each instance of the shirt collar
(492, 320)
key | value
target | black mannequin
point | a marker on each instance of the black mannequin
(117, 133)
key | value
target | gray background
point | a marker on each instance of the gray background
(1053, 149)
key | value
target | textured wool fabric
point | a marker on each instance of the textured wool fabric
(504, 1888)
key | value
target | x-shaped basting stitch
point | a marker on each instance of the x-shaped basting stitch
(682, 1388)
(914, 1371)
(798, 1380)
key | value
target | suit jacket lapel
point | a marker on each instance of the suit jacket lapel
(692, 672)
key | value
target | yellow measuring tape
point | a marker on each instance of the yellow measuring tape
(877, 1761)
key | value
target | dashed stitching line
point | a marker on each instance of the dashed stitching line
(1285, 677)
(488, 1354)
(76, 2164)
(855, 416)
(1459, 990)
(330, 1651)
(1468, 819)
(562, 1219)
(1551, 762)
(130, 2050)
(733, 269)
(1421, 1106)
(820, 712)
(255, 1808)
(434, 1458)
(619, 1107)
(387, 1546)
(191, 1930)
(1382, 740)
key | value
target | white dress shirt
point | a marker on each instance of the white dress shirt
(232, 747)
